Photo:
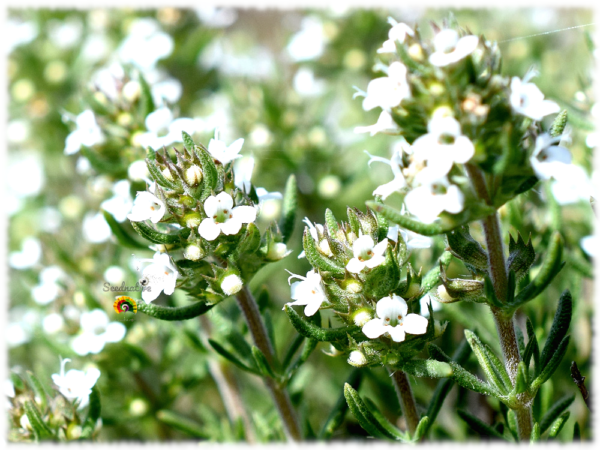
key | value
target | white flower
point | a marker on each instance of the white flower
(450, 49)
(590, 245)
(95, 228)
(398, 183)
(53, 323)
(426, 300)
(161, 275)
(398, 33)
(309, 42)
(394, 320)
(527, 99)
(385, 124)
(366, 254)
(163, 129)
(308, 292)
(388, 92)
(87, 133)
(242, 170)
(147, 206)
(138, 171)
(96, 332)
(221, 152)
(444, 145)
(411, 239)
(28, 256)
(572, 185)
(48, 289)
(231, 284)
(434, 196)
(145, 44)
(316, 230)
(75, 384)
(547, 160)
(121, 203)
(223, 217)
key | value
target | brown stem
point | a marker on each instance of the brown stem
(407, 400)
(261, 339)
(227, 385)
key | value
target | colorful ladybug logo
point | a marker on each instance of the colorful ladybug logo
(125, 304)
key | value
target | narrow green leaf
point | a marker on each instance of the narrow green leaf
(262, 363)
(560, 326)
(427, 368)
(521, 384)
(366, 420)
(552, 365)
(293, 348)
(210, 174)
(310, 330)
(318, 260)
(94, 411)
(558, 425)
(477, 425)
(154, 236)
(38, 389)
(464, 247)
(124, 238)
(188, 142)
(535, 433)
(170, 313)
(336, 416)
(382, 420)
(289, 207)
(432, 278)
(422, 428)
(158, 176)
(230, 357)
(406, 222)
(146, 101)
(555, 411)
(331, 222)
(520, 339)
(576, 432)
(40, 429)
(469, 381)
(182, 423)
(489, 363)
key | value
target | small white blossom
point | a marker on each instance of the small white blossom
(164, 130)
(572, 184)
(316, 230)
(75, 384)
(385, 124)
(394, 320)
(399, 182)
(87, 133)
(145, 44)
(221, 152)
(449, 48)
(28, 257)
(398, 33)
(308, 292)
(231, 284)
(388, 92)
(96, 332)
(193, 252)
(147, 206)
(366, 254)
(443, 145)
(161, 275)
(547, 160)
(223, 217)
(242, 170)
(95, 228)
(121, 203)
(411, 239)
(527, 99)
(434, 196)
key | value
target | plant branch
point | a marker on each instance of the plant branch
(406, 398)
(280, 396)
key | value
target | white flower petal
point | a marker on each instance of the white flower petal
(209, 230)
(415, 324)
(397, 333)
(244, 214)
(374, 328)
(355, 266)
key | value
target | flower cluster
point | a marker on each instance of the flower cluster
(356, 272)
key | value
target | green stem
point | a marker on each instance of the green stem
(499, 277)
(280, 396)
(407, 400)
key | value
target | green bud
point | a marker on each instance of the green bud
(521, 255)
(357, 359)
(192, 220)
(362, 316)
(559, 124)
(464, 247)
(353, 286)
(194, 252)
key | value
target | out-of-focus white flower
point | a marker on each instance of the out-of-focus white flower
(366, 254)
(449, 48)
(145, 44)
(114, 274)
(163, 130)
(443, 145)
(590, 245)
(384, 124)
(50, 219)
(426, 300)
(397, 33)
(256, 62)
(18, 131)
(48, 288)
(161, 275)
(527, 99)
(95, 47)
(87, 132)
(572, 184)
(398, 183)
(306, 84)
(434, 196)
(28, 256)
(213, 17)
(547, 160)
(223, 217)
(388, 92)
(19, 32)
(121, 203)
(53, 323)
(242, 170)
(76, 384)
(95, 228)
(411, 239)
(109, 80)
(223, 153)
(232, 284)
(138, 171)
(394, 321)
(25, 175)
(65, 34)
(166, 91)
(309, 42)
(147, 206)
(96, 332)
(307, 292)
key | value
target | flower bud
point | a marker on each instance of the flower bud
(138, 407)
(277, 251)
(324, 248)
(193, 175)
(415, 51)
(124, 119)
(231, 284)
(333, 352)
(131, 91)
(73, 431)
(193, 252)
(412, 290)
(442, 111)
(357, 359)
(192, 220)
(25, 423)
(361, 317)
(353, 286)
(443, 295)
(167, 174)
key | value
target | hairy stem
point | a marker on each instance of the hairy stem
(227, 385)
(499, 278)
(407, 399)
(280, 396)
